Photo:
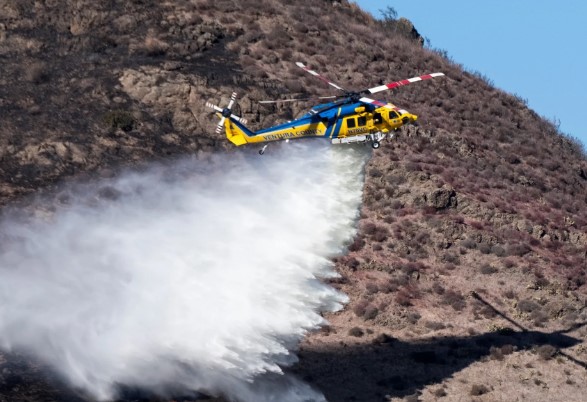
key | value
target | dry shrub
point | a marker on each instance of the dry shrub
(576, 278)
(495, 353)
(357, 244)
(369, 228)
(352, 263)
(487, 269)
(36, 73)
(527, 306)
(546, 352)
(356, 331)
(454, 299)
(375, 172)
(498, 250)
(449, 267)
(541, 282)
(438, 288)
(451, 258)
(518, 249)
(390, 286)
(479, 389)
(370, 312)
(439, 393)
(365, 310)
(488, 312)
(412, 267)
(381, 234)
(294, 86)
(469, 243)
(360, 307)
(413, 317)
(383, 339)
(154, 46)
(434, 325)
(508, 349)
(255, 72)
(371, 288)
(509, 294)
(539, 318)
(403, 298)
(485, 248)
(476, 225)
(120, 119)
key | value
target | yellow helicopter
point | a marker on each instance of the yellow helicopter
(350, 118)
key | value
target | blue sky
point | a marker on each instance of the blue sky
(535, 49)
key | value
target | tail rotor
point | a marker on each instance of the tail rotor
(226, 112)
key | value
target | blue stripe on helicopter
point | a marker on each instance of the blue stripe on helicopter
(332, 124)
(329, 130)
(337, 128)
(248, 132)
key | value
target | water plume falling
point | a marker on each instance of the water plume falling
(200, 275)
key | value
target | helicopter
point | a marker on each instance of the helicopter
(349, 118)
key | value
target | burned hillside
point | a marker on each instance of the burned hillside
(470, 255)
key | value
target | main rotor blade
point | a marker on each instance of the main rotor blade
(326, 80)
(396, 84)
(298, 99)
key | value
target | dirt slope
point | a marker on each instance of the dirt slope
(467, 279)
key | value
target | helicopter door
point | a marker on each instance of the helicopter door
(351, 123)
(377, 118)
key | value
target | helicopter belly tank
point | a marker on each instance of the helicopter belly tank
(350, 140)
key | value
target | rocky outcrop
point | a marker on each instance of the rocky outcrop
(408, 29)
(442, 198)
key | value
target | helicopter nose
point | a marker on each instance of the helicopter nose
(409, 118)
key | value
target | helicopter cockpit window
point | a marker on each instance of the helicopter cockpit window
(362, 121)
(393, 115)
(350, 123)
(377, 118)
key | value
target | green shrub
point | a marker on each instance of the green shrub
(120, 119)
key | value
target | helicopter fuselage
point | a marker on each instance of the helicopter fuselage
(340, 123)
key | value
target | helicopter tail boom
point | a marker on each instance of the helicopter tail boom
(236, 132)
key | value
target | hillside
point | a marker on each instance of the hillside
(467, 278)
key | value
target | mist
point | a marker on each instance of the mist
(198, 275)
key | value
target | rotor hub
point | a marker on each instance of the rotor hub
(353, 96)
(226, 112)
